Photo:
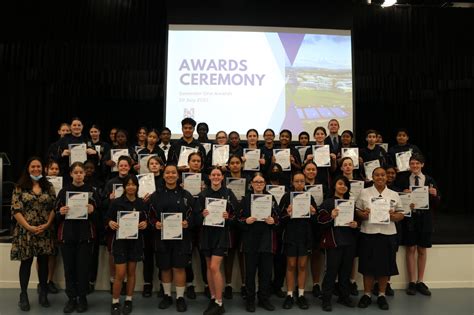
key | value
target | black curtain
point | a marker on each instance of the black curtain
(104, 61)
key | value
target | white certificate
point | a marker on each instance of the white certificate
(192, 183)
(321, 155)
(405, 199)
(317, 192)
(220, 154)
(237, 185)
(369, 168)
(302, 151)
(260, 206)
(356, 188)
(379, 211)
(143, 159)
(77, 202)
(78, 153)
(207, 147)
(115, 154)
(301, 202)
(252, 159)
(146, 184)
(171, 226)
(216, 208)
(128, 225)
(346, 212)
(383, 146)
(57, 182)
(118, 190)
(403, 160)
(282, 157)
(184, 154)
(353, 153)
(420, 197)
(277, 191)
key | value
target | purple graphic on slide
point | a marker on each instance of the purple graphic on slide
(292, 121)
(291, 43)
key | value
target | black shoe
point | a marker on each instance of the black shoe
(207, 292)
(423, 289)
(161, 292)
(190, 292)
(82, 305)
(181, 305)
(364, 301)
(147, 290)
(302, 302)
(127, 307)
(353, 289)
(91, 287)
(24, 303)
(210, 304)
(166, 302)
(288, 303)
(279, 293)
(115, 309)
(70, 306)
(316, 290)
(228, 292)
(43, 299)
(382, 302)
(388, 290)
(346, 301)
(215, 309)
(375, 289)
(337, 289)
(52, 288)
(411, 290)
(265, 304)
(326, 304)
(123, 291)
(243, 292)
(250, 306)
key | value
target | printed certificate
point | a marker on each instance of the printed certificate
(77, 202)
(369, 168)
(146, 184)
(261, 206)
(301, 202)
(317, 193)
(143, 160)
(403, 160)
(220, 154)
(216, 208)
(115, 154)
(252, 159)
(277, 191)
(321, 155)
(57, 182)
(346, 212)
(379, 211)
(171, 226)
(184, 154)
(353, 153)
(192, 183)
(128, 225)
(78, 153)
(282, 157)
(237, 185)
(420, 197)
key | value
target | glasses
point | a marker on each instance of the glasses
(258, 182)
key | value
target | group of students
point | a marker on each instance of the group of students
(275, 249)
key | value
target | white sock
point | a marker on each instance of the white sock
(115, 301)
(188, 284)
(300, 292)
(112, 279)
(213, 297)
(368, 294)
(315, 284)
(352, 281)
(219, 302)
(179, 292)
(381, 293)
(289, 293)
(167, 288)
(128, 298)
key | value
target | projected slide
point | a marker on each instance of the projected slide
(237, 78)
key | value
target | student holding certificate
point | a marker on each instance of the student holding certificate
(215, 240)
(151, 147)
(402, 145)
(310, 172)
(252, 144)
(127, 218)
(124, 165)
(100, 148)
(298, 240)
(234, 144)
(111, 160)
(267, 148)
(235, 173)
(339, 242)
(76, 236)
(378, 242)
(187, 140)
(323, 174)
(219, 153)
(32, 206)
(258, 235)
(417, 229)
(372, 152)
(173, 239)
(295, 159)
(347, 141)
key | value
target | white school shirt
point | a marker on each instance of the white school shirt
(363, 202)
(421, 179)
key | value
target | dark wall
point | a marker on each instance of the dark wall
(104, 61)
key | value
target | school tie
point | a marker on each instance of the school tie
(417, 180)
(334, 142)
